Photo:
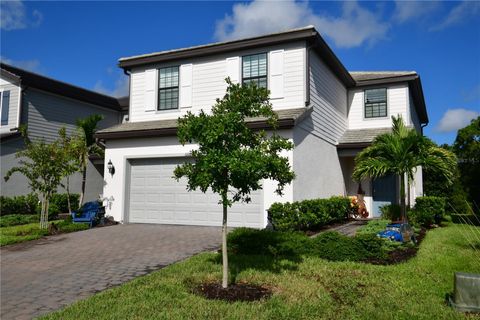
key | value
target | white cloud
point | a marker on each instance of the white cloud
(409, 10)
(455, 119)
(459, 14)
(31, 65)
(120, 88)
(14, 16)
(353, 27)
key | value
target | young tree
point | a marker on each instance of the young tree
(400, 153)
(43, 165)
(70, 147)
(231, 158)
(87, 147)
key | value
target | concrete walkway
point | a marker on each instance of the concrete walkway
(40, 276)
(348, 229)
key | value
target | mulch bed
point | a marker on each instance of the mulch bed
(234, 292)
(401, 254)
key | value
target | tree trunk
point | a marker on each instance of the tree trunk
(68, 196)
(44, 212)
(402, 198)
(224, 244)
(84, 181)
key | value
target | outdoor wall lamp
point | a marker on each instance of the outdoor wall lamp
(111, 168)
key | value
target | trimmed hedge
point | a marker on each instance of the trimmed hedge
(308, 214)
(427, 210)
(29, 204)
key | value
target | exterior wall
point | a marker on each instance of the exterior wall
(18, 184)
(317, 167)
(119, 151)
(13, 110)
(208, 82)
(397, 103)
(45, 114)
(328, 97)
(414, 120)
(351, 187)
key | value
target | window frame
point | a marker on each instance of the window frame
(365, 104)
(159, 90)
(257, 77)
(2, 91)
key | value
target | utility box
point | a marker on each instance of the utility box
(466, 292)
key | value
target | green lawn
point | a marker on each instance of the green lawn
(308, 289)
(32, 231)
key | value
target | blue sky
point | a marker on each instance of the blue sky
(80, 42)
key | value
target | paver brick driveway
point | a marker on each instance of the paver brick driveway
(44, 275)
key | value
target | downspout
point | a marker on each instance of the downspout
(307, 75)
(423, 125)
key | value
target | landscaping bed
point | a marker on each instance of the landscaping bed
(304, 287)
(32, 231)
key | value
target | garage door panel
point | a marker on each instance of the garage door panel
(155, 197)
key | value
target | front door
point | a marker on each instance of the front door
(384, 192)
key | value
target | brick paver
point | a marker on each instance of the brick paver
(348, 229)
(44, 275)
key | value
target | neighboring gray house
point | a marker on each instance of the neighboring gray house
(45, 105)
(328, 113)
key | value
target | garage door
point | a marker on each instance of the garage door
(155, 197)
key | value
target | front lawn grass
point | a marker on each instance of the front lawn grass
(32, 231)
(306, 288)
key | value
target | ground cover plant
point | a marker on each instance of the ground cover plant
(310, 288)
(32, 231)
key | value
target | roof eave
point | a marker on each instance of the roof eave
(295, 35)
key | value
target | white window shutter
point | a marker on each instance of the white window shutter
(186, 75)
(233, 69)
(276, 74)
(150, 90)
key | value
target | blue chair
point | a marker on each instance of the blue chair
(90, 212)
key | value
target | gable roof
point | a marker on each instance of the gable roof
(41, 82)
(370, 78)
(309, 34)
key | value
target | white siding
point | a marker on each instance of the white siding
(208, 82)
(328, 97)
(13, 112)
(397, 103)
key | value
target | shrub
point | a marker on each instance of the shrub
(61, 201)
(267, 242)
(391, 212)
(428, 210)
(308, 214)
(65, 226)
(18, 205)
(336, 247)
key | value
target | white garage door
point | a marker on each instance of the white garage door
(155, 197)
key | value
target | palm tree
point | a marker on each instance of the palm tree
(400, 153)
(86, 146)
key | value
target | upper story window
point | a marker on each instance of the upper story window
(168, 88)
(4, 105)
(254, 69)
(376, 103)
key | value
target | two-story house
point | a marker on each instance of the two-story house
(45, 105)
(328, 113)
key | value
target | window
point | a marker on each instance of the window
(254, 69)
(5, 104)
(168, 88)
(376, 103)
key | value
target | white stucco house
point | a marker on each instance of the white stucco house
(329, 114)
